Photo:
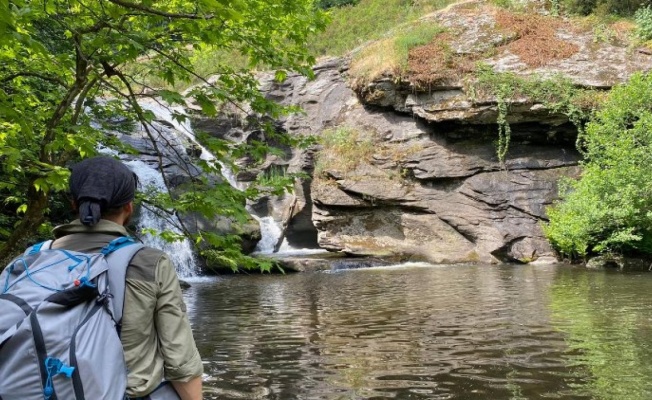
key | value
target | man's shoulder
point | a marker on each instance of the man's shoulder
(144, 264)
(150, 253)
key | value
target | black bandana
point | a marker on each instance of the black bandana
(101, 183)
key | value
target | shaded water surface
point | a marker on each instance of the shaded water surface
(451, 332)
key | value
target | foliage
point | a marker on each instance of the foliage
(609, 209)
(343, 149)
(70, 68)
(586, 7)
(335, 3)
(643, 18)
(557, 94)
(352, 26)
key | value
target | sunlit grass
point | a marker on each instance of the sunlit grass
(390, 55)
(352, 26)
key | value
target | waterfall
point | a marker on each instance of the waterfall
(180, 252)
(170, 129)
(166, 113)
(270, 232)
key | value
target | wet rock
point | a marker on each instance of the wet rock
(618, 262)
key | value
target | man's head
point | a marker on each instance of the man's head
(103, 187)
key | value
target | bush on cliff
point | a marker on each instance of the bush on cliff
(609, 209)
(620, 7)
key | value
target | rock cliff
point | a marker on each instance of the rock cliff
(420, 179)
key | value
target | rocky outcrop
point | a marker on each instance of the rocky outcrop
(620, 263)
(432, 187)
(165, 147)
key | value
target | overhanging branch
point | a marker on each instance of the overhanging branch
(48, 78)
(149, 10)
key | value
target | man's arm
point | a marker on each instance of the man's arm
(182, 363)
(190, 390)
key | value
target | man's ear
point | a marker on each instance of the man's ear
(129, 207)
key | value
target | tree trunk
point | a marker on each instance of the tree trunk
(37, 202)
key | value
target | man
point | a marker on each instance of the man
(156, 335)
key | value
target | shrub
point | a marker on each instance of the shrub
(609, 209)
(621, 7)
(643, 18)
(325, 4)
(343, 149)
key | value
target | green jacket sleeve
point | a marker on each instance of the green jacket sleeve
(176, 343)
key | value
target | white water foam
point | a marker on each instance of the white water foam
(180, 252)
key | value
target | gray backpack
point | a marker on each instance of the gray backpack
(60, 314)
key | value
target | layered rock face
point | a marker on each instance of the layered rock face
(422, 180)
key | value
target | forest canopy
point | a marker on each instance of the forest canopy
(57, 57)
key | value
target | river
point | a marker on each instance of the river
(426, 332)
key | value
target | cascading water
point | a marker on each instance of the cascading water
(270, 229)
(180, 252)
(167, 113)
(270, 232)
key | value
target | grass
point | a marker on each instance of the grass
(391, 55)
(343, 149)
(353, 26)
(421, 53)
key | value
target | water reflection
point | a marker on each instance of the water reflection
(462, 332)
(608, 320)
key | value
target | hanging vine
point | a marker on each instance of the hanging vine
(504, 130)
(557, 94)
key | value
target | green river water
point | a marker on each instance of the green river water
(426, 332)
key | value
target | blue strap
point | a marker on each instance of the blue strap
(39, 246)
(28, 273)
(115, 244)
(36, 248)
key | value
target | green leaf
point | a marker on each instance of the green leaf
(206, 104)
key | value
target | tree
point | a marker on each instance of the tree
(58, 56)
(609, 209)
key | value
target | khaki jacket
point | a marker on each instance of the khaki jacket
(156, 335)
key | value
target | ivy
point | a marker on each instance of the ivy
(559, 95)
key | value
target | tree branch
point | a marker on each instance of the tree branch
(49, 78)
(81, 98)
(148, 10)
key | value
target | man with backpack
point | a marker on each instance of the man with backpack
(154, 331)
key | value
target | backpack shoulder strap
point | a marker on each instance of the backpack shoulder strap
(119, 260)
(38, 247)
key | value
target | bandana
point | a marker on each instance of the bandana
(99, 184)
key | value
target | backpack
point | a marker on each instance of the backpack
(60, 314)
